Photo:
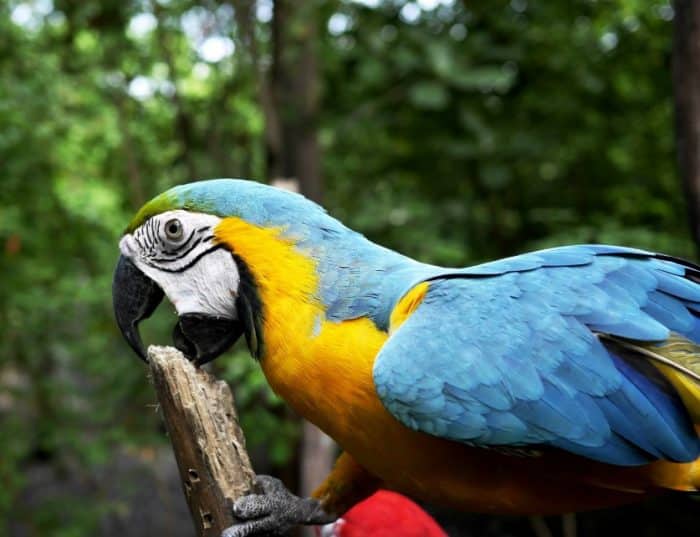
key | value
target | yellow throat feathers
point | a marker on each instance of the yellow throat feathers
(286, 280)
(305, 354)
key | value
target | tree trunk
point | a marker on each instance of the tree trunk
(183, 124)
(294, 158)
(295, 93)
(686, 86)
(289, 98)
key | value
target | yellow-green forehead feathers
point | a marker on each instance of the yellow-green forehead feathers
(160, 204)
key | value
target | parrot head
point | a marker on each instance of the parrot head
(164, 256)
(172, 248)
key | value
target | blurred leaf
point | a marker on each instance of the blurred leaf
(429, 95)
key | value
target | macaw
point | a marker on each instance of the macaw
(554, 381)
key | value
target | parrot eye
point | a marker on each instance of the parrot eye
(173, 230)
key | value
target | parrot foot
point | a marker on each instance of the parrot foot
(274, 512)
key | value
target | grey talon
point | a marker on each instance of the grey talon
(274, 510)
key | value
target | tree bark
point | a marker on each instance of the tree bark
(686, 89)
(290, 99)
(317, 456)
(183, 123)
(248, 43)
(137, 194)
(202, 423)
(295, 90)
(295, 157)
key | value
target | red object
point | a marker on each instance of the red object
(384, 514)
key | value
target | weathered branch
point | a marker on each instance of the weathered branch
(209, 446)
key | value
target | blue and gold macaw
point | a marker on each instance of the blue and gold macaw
(553, 381)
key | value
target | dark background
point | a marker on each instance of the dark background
(452, 131)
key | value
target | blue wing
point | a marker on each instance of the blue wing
(509, 354)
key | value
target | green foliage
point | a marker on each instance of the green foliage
(473, 131)
(502, 126)
(80, 154)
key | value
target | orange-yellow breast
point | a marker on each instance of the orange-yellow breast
(323, 369)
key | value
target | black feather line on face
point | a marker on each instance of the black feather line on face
(151, 237)
(177, 249)
(165, 258)
(184, 267)
(250, 309)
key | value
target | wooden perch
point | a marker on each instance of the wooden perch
(209, 446)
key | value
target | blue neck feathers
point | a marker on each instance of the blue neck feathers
(357, 277)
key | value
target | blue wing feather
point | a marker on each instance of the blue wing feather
(506, 354)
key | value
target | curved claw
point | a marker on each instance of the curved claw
(275, 511)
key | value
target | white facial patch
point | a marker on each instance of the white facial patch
(178, 251)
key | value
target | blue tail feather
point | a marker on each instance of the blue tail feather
(654, 409)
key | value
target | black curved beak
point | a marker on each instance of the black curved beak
(135, 297)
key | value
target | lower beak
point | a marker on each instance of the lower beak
(203, 337)
(135, 297)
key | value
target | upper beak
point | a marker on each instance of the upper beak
(134, 296)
